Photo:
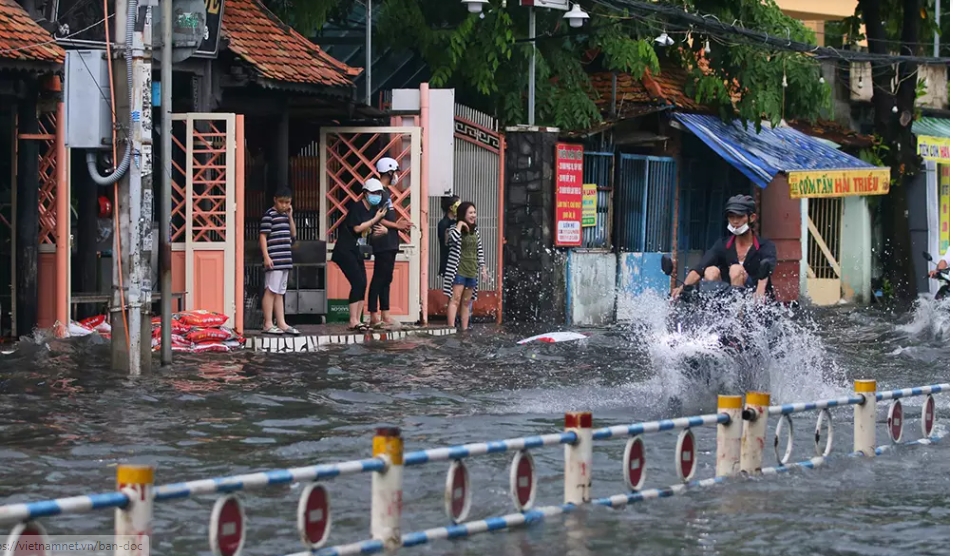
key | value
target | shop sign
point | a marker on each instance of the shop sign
(936, 149)
(590, 198)
(568, 195)
(839, 183)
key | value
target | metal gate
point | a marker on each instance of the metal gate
(824, 250)
(348, 156)
(207, 221)
(645, 203)
(598, 169)
(479, 148)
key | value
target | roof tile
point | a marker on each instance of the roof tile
(22, 39)
(665, 89)
(276, 51)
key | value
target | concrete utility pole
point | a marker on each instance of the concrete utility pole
(135, 196)
(165, 205)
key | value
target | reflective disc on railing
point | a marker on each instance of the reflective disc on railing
(685, 455)
(456, 497)
(633, 463)
(784, 420)
(823, 416)
(523, 480)
(314, 515)
(226, 532)
(895, 421)
(927, 416)
(27, 539)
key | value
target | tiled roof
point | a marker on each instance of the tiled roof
(276, 51)
(833, 131)
(665, 89)
(21, 39)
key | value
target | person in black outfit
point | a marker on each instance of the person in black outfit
(385, 248)
(449, 206)
(736, 259)
(363, 219)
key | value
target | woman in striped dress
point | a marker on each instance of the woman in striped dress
(464, 265)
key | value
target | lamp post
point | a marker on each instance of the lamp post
(576, 17)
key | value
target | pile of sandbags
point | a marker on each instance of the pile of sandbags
(192, 331)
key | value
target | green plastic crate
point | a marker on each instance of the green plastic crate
(338, 311)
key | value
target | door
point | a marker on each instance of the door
(349, 156)
(204, 223)
(824, 217)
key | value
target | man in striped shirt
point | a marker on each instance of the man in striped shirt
(275, 238)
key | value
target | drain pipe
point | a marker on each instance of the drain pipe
(123, 166)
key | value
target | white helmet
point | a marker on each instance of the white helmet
(386, 164)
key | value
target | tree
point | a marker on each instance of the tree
(896, 27)
(486, 57)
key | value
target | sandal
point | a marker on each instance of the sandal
(358, 328)
(273, 331)
(292, 331)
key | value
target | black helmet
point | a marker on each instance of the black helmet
(740, 204)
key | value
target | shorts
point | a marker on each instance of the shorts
(277, 281)
(467, 283)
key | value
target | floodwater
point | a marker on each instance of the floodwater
(66, 420)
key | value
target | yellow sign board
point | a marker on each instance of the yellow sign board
(839, 183)
(590, 197)
(936, 149)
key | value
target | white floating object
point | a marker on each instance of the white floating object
(554, 337)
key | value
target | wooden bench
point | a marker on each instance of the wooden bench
(97, 298)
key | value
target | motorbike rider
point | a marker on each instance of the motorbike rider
(736, 258)
(942, 265)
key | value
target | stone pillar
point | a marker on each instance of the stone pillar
(533, 271)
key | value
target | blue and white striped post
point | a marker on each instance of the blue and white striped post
(577, 483)
(134, 520)
(865, 417)
(387, 487)
(755, 417)
(728, 451)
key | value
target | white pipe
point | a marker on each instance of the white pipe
(865, 417)
(577, 474)
(387, 488)
(755, 417)
(134, 522)
(728, 458)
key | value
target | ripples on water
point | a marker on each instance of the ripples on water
(66, 420)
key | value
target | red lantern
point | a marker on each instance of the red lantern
(105, 207)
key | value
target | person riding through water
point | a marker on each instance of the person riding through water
(736, 259)
(942, 265)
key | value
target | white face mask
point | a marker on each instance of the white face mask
(740, 230)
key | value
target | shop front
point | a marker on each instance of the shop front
(933, 142)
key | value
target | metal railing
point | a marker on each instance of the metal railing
(741, 430)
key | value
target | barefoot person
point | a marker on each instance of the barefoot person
(277, 234)
(464, 265)
(363, 219)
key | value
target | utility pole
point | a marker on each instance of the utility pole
(134, 188)
(165, 205)
(368, 58)
(531, 120)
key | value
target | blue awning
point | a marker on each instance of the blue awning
(761, 156)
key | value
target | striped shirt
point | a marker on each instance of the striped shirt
(277, 229)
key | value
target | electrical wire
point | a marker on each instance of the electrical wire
(44, 43)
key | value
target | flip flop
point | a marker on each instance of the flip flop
(273, 331)
(292, 331)
(359, 328)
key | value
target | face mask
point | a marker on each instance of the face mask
(374, 200)
(740, 230)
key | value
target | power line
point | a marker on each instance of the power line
(711, 24)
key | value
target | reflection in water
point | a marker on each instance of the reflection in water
(66, 419)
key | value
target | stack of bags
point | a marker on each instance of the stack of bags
(192, 332)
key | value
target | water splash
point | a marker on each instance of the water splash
(931, 317)
(785, 355)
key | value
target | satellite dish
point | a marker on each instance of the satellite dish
(188, 29)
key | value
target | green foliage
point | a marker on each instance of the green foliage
(847, 32)
(486, 58)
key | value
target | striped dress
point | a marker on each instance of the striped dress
(453, 260)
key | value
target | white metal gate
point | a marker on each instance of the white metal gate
(824, 224)
(348, 156)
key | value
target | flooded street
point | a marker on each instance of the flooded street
(66, 420)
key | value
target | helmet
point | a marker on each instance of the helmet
(740, 204)
(373, 185)
(386, 164)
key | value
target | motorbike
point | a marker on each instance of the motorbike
(943, 276)
(703, 306)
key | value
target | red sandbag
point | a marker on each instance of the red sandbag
(92, 322)
(202, 335)
(202, 318)
(216, 347)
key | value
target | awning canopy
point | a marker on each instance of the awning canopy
(933, 139)
(762, 156)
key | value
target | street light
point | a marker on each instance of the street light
(576, 16)
(475, 6)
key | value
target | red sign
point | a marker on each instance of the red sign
(227, 527)
(314, 515)
(568, 195)
(634, 461)
(685, 455)
(895, 421)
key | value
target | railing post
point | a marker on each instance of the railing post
(752, 434)
(728, 460)
(134, 522)
(865, 417)
(387, 487)
(577, 483)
